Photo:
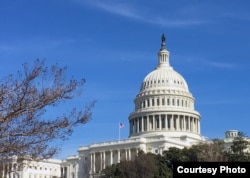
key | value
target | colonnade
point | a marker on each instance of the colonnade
(64, 172)
(8, 170)
(101, 159)
(165, 122)
(162, 101)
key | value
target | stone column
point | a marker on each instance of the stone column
(126, 154)
(129, 154)
(101, 160)
(195, 124)
(104, 160)
(194, 130)
(3, 170)
(190, 123)
(66, 172)
(184, 123)
(8, 170)
(160, 125)
(137, 124)
(111, 157)
(166, 121)
(148, 123)
(172, 122)
(181, 122)
(153, 122)
(93, 162)
(199, 126)
(118, 156)
(177, 122)
(142, 124)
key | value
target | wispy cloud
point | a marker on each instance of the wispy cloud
(243, 15)
(34, 44)
(224, 65)
(202, 62)
(117, 8)
(130, 11)
(175, 22)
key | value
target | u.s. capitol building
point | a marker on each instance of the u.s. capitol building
(164, 116)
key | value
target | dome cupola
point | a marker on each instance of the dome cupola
(163, 54)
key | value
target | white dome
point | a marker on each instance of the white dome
(165, 78)
(164, 104)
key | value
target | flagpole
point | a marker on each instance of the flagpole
(119, 132)
(121, 125)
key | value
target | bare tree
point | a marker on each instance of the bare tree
(26, 129)
(212, 151)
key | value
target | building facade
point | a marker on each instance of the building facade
(230, 135)
(12, 168)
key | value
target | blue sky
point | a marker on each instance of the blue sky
(113, 44)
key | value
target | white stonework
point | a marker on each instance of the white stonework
(164, 117)
(229, 138)
(50, 168)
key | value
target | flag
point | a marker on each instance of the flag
(121, 125)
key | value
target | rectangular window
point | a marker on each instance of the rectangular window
(163, 101)
(187, 125)
(175, 127)
(157, 123)
(158, 102)
(163, 122)
(145, 123)
(180, 123)
(140, 125)
(151, 123)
